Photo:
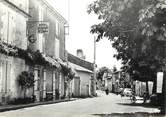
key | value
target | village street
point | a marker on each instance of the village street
(89, 107)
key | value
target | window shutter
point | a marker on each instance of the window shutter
(1, 76)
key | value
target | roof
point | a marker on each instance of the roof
(80, 62)
(79, 68)
(60, 17)
(15, 8)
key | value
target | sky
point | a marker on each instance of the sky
(75, 12)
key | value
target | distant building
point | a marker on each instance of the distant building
(116, 81)
(107, 80)
(81, 84)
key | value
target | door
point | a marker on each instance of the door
(77, 86)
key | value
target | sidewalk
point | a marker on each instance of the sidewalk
(4, 108)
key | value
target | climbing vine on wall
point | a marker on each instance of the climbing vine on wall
(31, 57)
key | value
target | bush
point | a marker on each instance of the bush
(24, 100)
(49, 96)
(26, 80)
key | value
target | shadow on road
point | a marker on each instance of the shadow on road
(139, 114)
(147, 105)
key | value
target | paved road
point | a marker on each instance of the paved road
(90, 107)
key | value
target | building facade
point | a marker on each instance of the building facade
(81, 85)
(32, 38)
(46, 27)
(13, 18)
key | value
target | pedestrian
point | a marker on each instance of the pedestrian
(121, 93)
(107, 91)
(145, 96)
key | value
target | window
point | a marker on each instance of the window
(7, 19)
(57, 28)
(40, 13)
(11, 27)
(56, 48)
(5, 75)
(40, 40)
(4, 22)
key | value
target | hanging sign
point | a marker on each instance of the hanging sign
(43, 27)
(159, 82)
(32, 38)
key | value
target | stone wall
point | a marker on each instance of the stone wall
(10, 69)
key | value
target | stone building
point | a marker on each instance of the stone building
(50, 41)
(81, 85)
(32, 38)
(13, 18)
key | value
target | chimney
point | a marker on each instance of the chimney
(80, 54)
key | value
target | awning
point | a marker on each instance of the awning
(52, 61)
(61, 62)
(66, 65)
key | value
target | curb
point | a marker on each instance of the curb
(16, 107)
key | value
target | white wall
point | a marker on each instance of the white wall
(85, 78)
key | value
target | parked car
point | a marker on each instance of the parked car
(127, 92)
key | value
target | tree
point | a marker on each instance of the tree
(101, 72)
(69, 74)
(135, 27)
(26, 81)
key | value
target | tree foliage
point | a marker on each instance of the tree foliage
(26, 79)
(137, 30)
(101, 72)
(68, 72)
(114, 69)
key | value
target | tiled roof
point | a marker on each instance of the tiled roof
(79, 68)
(80, 62)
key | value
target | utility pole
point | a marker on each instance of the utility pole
(163, 94)
(163, 106)
(94, 68)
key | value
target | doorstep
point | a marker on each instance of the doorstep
(4, 108)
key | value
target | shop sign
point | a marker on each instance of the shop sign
(43, 27)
